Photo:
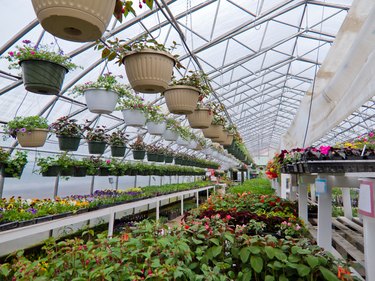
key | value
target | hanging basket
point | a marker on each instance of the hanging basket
(222, 137)
(200, 118)
(156, 129)
(160, 158)
(101, 101)
(134, 117)
(43, 77)
(52, 171)
(68, 143)
(78, 20)
(181, 99)
(34, 138)
(213, 131)
(170, 135)
(16, 171)
(152, 157)
(181, 141)
(103, 172)
(149, 71)
(79, 171)
(118, 151)
(228, 140)
(139, 154)
(168, 159)
(96, 147)
(67, 172)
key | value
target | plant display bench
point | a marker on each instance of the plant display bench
(109, 213)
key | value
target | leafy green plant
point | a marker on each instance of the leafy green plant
(138, 144)
(15, 165)
(134, 103)
(97, 134)
(25, 124)
(67, 127)
(30, 51)
(196, 79)
(117, 138)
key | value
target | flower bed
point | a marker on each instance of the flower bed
(255, 186)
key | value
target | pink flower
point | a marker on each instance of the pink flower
(371, 134)
(365, 140)
(297, 227)
(11, 54)
(108, 161)
(284, 222)
(32, 52)
(26, 41)
(325, 149)
(228, 217)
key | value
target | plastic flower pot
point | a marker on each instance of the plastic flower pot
(149, 71)
(34, 138)
(12, 175)
(79, 20)
(79, 171)
(67, 172)
(8, 225)
(183, 142)
(68, 143)
(160, 158)
(52, 171)
(228, 141)
(139, 154)
(152, 157)
(43, 77)
(134, 117)
(181, 99)
(96, 147)
(101, 101)
(213, 131)
(222, 137)
(168, 159)
(118, 151)
(170, 135)
(200, 118)
(103, 172)
(156, 129)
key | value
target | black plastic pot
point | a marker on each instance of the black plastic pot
(139, 154)
(52, 171)
(43, 77)
(26, 223)
(103, 172)
(79, 171)
(68, 143)
(96, 147)
(168, 159)
(44, 219)
(8, 225)
(67, 172)
(118, 151)
(160, 158)
(152, 157)
(11, 174)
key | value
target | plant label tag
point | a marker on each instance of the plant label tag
(366, 204)
(320, 186)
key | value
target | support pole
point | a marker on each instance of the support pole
(312, 191)
(135, 181)
(347, 203)
(161, 180)
(111, 224)
(92, 185)
(170, 179)
(302, 202)
(182, 205)
(325, 219)
(197, 195)
(157, 210)
(2, 180)
(149, 180)
(56, 189)
(207, 193)
(117, 179)
(369, 246)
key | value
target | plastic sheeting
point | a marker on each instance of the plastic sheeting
(343, 83)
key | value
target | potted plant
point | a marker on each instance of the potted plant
(152, 153)
(202, 116)
(184, 136)
(68, 133)
(139, 149)
(169, 155)
(156, 124)
(80, 20)
(80, 168)
(182, 96)
(96, 139)
(171, 132)
(58, 165)
(13, 166)
(102, 95)
(216, 128)
(134, 111)
(43, 70)
(148, 64)
(30, 131)
(117, 141)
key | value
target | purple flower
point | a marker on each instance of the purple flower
(23, 130)
(26, 41)
(31, 210)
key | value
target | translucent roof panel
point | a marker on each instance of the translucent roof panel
(260, 56)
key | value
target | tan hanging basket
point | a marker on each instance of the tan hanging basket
(34, 138)
(222, 137)
(200, 119)
(78, 20)
(229, 139)
(181, 99)
(149, 71)
(213, 131)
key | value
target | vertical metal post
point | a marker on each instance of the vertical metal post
(161, 180)
(157, 210)
(117, 179)
(182, 205)
(369, 246)
(56, 189)
(302, 202)
(111, 224)
(92, 185)
(197, 195)
(149, 180)
(178, 179)
(324, 238)
(170, 179)
(2, 180)
(207, 193)
(135, 181)
(347, 203)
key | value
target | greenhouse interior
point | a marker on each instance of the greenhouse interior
(187, 140)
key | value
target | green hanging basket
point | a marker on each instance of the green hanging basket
(52, 171)
(160, 158)
(168, 159)
(96, 147)
(68, 143)
(79, 171)
(152, 157)
(43, 77)
(67, 172)
(139, 154)
(118, 151)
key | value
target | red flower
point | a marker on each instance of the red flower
(187, 227)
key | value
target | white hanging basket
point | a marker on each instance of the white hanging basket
(134, 117)
(181, 141)
(169, 135)
(101, 101)
(78, 20)
(156, 129)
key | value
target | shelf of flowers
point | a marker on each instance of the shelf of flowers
(19, 212)
(234, 237)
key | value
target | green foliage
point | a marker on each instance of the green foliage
(25, 124)
(67, 127)
(15, 165)
(196, 79)
(254, 186)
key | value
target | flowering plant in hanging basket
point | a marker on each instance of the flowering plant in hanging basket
(13, 166)
(68, 133)
(30, 131)
(153, 58)
(138, 145)
(97, 134)
(43, 69)
(117, 138)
